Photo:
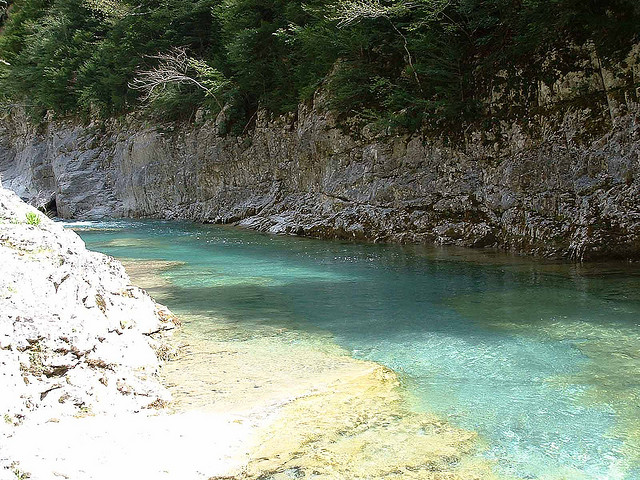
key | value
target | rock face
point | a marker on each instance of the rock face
(550, 185)
(75, 336)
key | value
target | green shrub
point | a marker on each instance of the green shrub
(33, 219)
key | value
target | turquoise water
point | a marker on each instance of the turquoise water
(541, 359)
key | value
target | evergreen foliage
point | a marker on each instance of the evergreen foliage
(401, 63)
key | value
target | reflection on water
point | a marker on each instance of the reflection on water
(540, 358)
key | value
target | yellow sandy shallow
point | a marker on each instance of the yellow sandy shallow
(332, 416)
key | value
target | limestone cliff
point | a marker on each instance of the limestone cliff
(562, 183)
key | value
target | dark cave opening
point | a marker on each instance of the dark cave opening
(50, 208)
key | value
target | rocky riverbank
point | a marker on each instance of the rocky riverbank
(76, 338)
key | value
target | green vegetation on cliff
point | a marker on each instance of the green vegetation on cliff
(397, 61)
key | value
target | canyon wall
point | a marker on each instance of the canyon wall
(563, 183)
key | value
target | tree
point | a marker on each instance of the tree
(350, 12)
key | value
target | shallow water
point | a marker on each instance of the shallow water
(541, 359)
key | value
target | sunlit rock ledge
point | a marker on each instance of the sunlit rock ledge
(75, 336)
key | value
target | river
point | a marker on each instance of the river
(540, 358)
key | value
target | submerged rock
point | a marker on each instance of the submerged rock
(75, 336)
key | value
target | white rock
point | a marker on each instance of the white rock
(74, 334)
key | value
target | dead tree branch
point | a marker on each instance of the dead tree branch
(176, 67)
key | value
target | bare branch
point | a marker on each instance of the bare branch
(109, 8)
(350, 12)
(176, 67)
(172, 68)
(113, 9)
